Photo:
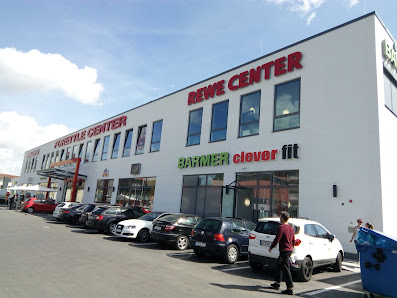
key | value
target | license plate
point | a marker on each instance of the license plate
(265, 243)
(157, 228)
(200, 244)
(118, 230)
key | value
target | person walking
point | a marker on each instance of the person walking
(356, 228)
(11, 202)
(285, 237)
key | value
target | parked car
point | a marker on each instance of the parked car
(108, 220)
(225, 237)
(140, 228)
(38, 205)
(98, 210)
(314, 246)
(63, 205)
(72, 214)
(174, 229)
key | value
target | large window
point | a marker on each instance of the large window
(105, 148)
(88, 151)
(156, 136)
(74, 152)
(202, 194)
(136, 192)
(81, 151)
(287, 105)
(219, 121)
(96, 150)
(116, 144)
(127, 143)
(140, 143)
(68, 153)
(194, 131)
(390, 87)
(266, 194)
(249, 114)
(104, 191)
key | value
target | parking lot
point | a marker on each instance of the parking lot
(41, 257)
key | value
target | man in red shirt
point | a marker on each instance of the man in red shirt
(285, 237)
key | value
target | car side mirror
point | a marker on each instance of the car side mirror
(331, 237)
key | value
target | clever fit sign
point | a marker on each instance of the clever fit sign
(289, 151)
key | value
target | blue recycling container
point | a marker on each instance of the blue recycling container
(378, 262)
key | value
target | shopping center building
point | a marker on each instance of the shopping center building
(310, 128)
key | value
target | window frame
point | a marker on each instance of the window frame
(212, 121)
(275, 117)
(105, 150)
(240, 124)
(140, 129)
(159, 141)
(127, 133)
(116, 152)
(188, 127)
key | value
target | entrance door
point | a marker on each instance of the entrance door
(245, 202)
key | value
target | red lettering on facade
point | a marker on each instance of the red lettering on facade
(279, 66)
(294, 61)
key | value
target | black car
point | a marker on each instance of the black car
(72, 214)
(174, 229)
(226, 237)
(107, 221)
(98, 210)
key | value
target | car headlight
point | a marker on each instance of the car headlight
(130, 227)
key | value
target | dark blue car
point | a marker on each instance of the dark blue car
(225, 237)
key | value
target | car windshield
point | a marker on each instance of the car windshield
(212, 225)
(150, 216)
(99, 210)
(271, 227)
(171, 217)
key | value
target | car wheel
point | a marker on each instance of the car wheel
(231, 255)
(112, 227)
(182, 242)
(338, 264)
(143, 235)
(198, 253)
(30, 210)
(255, 266)
(306, 270)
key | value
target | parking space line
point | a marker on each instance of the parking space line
(333, 288)
(237, 268)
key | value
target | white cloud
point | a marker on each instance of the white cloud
(353, 2)
(33, 70)
(311, 17)
(20, 133)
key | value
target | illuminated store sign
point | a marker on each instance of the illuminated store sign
(94, 131)
(289, 151)
(276, 67)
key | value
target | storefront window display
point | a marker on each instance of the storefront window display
(266, 194)
(79, 193)
(136, 192)
(104, 191)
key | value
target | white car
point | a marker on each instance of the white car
(60, 206)
(315, 246)
(140, 228)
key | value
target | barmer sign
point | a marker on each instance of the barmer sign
(216, 159)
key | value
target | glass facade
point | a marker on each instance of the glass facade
(266, 194)
(390, 87)
(104, 191)
(136, 192)
(202, 194)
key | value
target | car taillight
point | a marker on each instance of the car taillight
(219, 237)
(252, 236)
(169, 227)
(99, 217)
(65, 211)
(297, 242)
(192, 233)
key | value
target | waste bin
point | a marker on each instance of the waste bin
(378, 262)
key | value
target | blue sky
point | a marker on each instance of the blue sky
(65, 65)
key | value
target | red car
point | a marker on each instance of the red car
(38, 205)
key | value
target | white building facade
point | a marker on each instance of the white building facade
(309, 129)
